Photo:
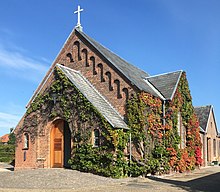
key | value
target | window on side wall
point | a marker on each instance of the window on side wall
(214, 147)
(26, 141)
(96, 138)
(181, 131)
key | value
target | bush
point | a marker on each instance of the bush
(98, 161)
(7, 153)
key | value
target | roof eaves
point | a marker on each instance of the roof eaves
(201, 130)
(208, 118)
(162, 74)
(212, 109)
(98, 94)
(174, 91)
(110, 60)
(160, 95)
(59, 65)
(103, 54)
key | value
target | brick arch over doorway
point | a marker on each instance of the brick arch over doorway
(60, 144)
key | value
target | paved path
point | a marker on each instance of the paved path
(51, 180)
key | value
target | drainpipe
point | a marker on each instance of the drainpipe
(130, 149)
(164, 112)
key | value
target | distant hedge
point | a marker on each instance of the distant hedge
(7, 153)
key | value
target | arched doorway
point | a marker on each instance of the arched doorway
(60, 144)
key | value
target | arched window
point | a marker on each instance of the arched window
(26, 141)
(125, 90)
(96, 138)
(109, 75)
(93, 65)
(117, 82)
(101, 72)
(85, 57)
(78, 50)
(69, 55)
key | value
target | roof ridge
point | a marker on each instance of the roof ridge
(81, 32)
(132, 73)
(161, 81)
(165, 73)
(203, 106)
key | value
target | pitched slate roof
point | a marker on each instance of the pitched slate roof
(166, 84)
(97, 100)
(135, 75)
(162, 86)
(203, 115)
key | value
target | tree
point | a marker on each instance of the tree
(12, 139)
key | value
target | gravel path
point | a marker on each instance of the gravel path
(51, 180)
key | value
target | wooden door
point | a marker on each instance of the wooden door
(57, 144)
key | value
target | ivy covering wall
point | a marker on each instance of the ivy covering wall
(155, 134)
(82, 118)
(155, 138)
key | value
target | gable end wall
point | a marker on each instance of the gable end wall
(103, 76)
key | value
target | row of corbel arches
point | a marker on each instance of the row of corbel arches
(104, 76)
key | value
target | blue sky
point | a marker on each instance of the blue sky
(158, 36)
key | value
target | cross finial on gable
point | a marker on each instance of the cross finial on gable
(78, 22)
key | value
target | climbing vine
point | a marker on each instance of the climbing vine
(144, 113)
(155, 135)
(82, 118)
(154, 130)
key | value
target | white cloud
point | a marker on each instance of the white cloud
(8, 121)
(7, 116)
(17, 61)
(45, 60)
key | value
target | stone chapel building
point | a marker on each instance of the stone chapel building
(84, 98)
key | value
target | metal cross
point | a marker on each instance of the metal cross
(78, 12)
